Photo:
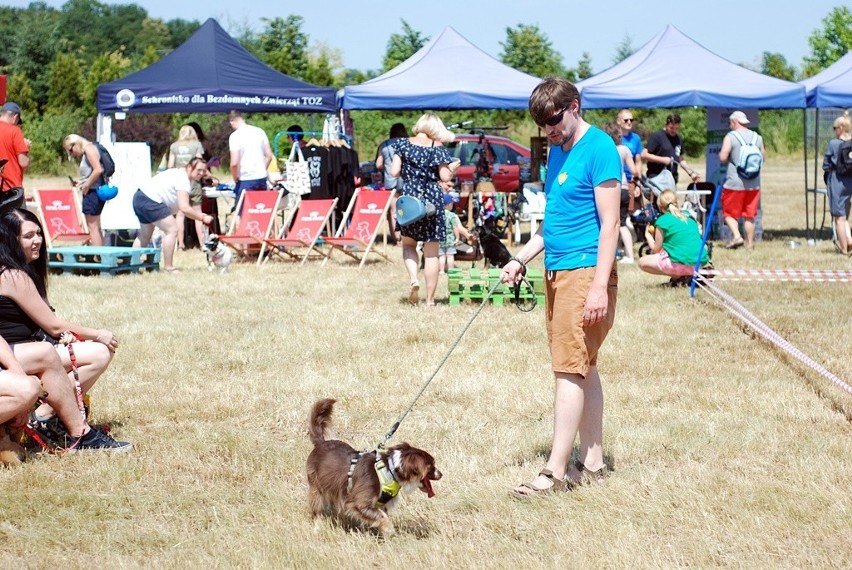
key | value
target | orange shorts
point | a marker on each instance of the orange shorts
(573, 347)
(740, 203)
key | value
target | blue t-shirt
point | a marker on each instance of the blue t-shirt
(571, 222)
(634, 142)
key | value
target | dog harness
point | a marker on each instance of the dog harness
(390, 487)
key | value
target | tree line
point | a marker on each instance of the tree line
(55, 59)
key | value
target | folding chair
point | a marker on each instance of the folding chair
(253, 223)
(62, 217)
(300, 240)
(366, 214)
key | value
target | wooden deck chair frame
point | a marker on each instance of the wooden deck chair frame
(344, 242)
(244, 244)
(73, 236)
(296, 242)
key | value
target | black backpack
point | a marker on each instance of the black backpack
(844, 158)
(106, 161)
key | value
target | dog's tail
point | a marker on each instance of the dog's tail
(319, 420)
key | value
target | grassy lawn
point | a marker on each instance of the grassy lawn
(726, 453)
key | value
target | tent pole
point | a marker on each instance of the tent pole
(807, 191)
(816, 154)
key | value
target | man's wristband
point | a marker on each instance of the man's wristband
(521, 263)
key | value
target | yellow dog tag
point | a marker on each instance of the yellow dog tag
(563, 176)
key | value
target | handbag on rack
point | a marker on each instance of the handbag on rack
(298, 181)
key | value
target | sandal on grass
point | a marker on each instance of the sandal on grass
(414, 293)
(587, 476)
(530, 490)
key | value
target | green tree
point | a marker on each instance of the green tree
(20, 90)
(149, 56)
(322, 63)
(35, 45)
(584, 66)
(107, 67)
(180, 30)
(830, 43)
(65, 83)
(284, 46)
(402, 46)
(623, 50)
(153, 34)
(9, 22)
(528, 49)
(775, 65)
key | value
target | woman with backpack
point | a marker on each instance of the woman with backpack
(93, 175)
(742, 150)
(837, 165)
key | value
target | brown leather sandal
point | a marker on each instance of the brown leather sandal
(588, 477)
(530, 490)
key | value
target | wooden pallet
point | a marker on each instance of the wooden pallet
(103, 261)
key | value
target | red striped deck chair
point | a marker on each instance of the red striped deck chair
(253, 223)
(366, 215)
(299, 242)
(62, 217)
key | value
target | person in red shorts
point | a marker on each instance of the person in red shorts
(740, 197)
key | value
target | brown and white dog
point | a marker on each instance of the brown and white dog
(362, 486)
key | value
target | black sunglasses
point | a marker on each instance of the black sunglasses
(627, 120)
(555, 119)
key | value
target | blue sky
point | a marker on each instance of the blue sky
(738, 30)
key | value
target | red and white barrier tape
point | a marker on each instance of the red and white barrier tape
(805, 275)
(763, 330)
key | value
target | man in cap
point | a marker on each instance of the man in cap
(14, 148)
(740, 196)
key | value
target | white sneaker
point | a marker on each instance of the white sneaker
(626, 260)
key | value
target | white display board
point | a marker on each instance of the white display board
(132, 169)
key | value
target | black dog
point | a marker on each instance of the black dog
(495, 252)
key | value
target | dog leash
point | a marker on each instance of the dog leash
(524, 308)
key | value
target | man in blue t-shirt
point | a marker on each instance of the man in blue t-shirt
(578, 236)
(630, 139)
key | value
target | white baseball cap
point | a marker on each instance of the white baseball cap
(739, 117)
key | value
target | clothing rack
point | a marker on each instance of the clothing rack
(303, 135)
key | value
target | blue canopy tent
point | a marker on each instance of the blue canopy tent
(672, 70)
(832, 87)
(212, 73)
(448, 72)
(829, 89)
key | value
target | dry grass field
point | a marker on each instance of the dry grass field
(725, 452)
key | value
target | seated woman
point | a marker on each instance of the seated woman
(677, 241)
(26, 319)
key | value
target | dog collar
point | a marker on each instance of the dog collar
(387, 477)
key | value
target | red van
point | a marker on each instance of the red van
(509, 162)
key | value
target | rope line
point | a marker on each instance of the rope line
(739, 311)
(804, 275)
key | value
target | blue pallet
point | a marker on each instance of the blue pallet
(104, 256)
(104, 261)
(93, 269)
